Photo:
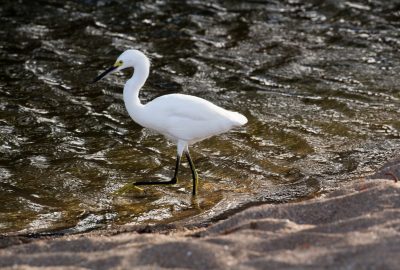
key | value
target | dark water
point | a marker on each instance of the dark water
(318, 81)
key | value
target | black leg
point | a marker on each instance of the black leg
(194, 173)
(174, 179)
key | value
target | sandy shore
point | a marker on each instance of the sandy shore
(357, 227)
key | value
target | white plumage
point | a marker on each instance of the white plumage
(188, 118)
(183, 119)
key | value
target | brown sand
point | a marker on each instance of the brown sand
(357, 227)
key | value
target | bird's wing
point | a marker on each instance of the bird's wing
(184, 106)
(189, 118)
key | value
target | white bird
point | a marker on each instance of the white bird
(183, 119)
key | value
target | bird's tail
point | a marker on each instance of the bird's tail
(238, 119)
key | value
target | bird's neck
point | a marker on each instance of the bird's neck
(131, 91)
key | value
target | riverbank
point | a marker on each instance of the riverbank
(356, 227)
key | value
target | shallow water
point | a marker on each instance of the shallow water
(316, 79)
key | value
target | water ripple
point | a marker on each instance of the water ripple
(318, 82)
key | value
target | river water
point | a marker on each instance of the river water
(318, 81)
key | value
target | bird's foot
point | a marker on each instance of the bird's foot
(173, 181)
(126, 188)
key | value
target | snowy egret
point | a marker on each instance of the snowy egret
(183, 119)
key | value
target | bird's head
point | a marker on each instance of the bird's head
(129, 58)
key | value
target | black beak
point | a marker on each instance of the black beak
(102, 75)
